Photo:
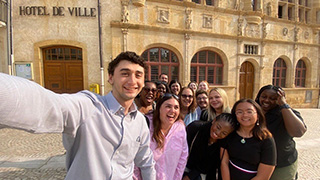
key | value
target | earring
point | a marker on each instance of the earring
(258, 123)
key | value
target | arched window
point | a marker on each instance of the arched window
(161, 60)
(207, 65)
(279, 73)
(300, 80)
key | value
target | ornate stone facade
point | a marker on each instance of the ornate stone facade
(185, 28)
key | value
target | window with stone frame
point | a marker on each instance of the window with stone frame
(287, 10)
(300, 77)
(3, 10)
(207, 2)
(279, 73)
(208, 66)
(161, 60)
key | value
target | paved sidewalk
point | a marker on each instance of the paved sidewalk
(25, 156)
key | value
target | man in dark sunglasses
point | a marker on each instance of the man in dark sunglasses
(104, 136)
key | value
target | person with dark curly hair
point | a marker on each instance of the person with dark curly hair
(204, 141)
(284, 123)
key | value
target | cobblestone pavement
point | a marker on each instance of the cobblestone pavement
(25, 156)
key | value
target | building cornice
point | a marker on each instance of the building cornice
(120, 25)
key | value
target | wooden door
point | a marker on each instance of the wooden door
(63, 72)
(246, 80)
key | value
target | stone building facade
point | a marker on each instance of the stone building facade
(238, 45)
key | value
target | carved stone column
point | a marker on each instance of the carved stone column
(125, 39)
(186, 67)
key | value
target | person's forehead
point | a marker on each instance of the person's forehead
(128, 65)
(187, 91)
(202, 95)
(171, 101)
(269, 91)
(150, 84)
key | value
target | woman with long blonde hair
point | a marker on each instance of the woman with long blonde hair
(218, 103)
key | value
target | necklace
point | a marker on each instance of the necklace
(243, 141)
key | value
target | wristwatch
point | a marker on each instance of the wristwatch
(284, 106)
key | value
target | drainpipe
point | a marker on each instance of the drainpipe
(9, 37)
(100, 49)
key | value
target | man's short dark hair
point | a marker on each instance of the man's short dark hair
(201, 91)
(129, 56)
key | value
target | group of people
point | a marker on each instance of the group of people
(160, 130)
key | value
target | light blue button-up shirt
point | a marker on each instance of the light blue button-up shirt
(101, 142)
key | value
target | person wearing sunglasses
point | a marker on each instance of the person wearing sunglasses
(162, 88)
(249, 152)
(188, 105)
(146, 100)
(168, 140)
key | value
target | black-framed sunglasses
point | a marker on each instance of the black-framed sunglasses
(186, 96)
(153, 90)
(169, 95)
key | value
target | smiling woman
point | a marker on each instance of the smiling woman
(168, 140)
(146, 100)
(188, 105)
(204, 141)
(250, 151)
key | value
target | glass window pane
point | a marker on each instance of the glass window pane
(174, 72)
(194, 59)
(202, 57)
(218, 79)
(154, 72)
(79, 54)
(211, 57)
(210, 75)
(193, 74)
(202, 74)
(219, 71)
(73, 54)
(283, 64)
(283, 73)
(67, 53)
(218, 59)
(303, 73)
(164, 55)
(165, 69)
(174, 58)
(145, 56)
(303, 82)
(53, 51)
(283, 83)
(154, 55)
